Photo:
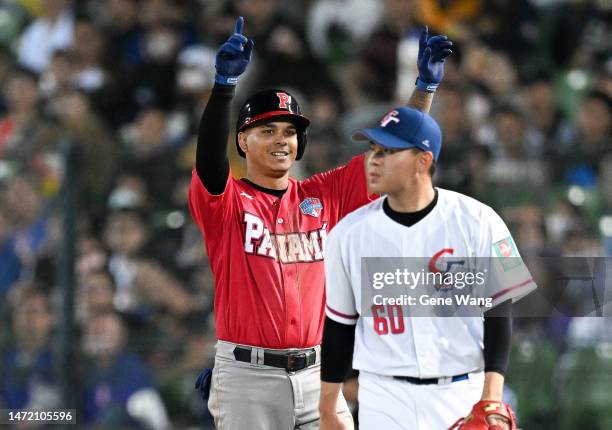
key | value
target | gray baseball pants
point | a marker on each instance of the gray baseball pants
(258, 397)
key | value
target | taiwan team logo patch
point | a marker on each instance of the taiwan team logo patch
(507, 253)
(311, 206)
(447, 269)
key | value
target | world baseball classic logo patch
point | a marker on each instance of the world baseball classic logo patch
(311, 206)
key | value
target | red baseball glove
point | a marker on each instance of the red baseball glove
(478, 417)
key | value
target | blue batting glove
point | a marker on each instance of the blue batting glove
(233, 56)
(203, 383)
(430, 62)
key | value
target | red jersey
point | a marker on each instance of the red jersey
(266, 253)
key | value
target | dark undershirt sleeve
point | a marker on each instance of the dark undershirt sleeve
(212, 164)
(497, 337)
(336, 351)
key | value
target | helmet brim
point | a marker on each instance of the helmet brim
(300, 121)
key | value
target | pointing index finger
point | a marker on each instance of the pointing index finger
(424, 35)
(239, 25)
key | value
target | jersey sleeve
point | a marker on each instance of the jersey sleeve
(340, 298)
(346, 185)
(212, 163)
(508, 277)
(210, 211)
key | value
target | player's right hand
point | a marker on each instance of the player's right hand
(233, 56)
(332, 422)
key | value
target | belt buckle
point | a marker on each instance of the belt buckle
(291, 361)
(311, 358)
(445, 380)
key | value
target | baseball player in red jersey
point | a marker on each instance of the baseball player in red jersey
(265, 236)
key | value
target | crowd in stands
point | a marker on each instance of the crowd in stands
(525, 110)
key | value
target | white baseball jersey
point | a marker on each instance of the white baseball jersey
(422, 347)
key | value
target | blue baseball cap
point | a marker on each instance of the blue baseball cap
(402, 128)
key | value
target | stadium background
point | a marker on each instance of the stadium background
(525, 112)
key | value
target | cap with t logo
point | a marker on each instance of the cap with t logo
(402, 128)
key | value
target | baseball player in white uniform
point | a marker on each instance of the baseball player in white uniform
(418, 373)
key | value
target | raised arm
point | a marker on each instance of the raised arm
(430, 62)
(212, 164)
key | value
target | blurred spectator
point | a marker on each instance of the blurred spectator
(6, 65)
(605, 179)
(581, 241)
(130, 192)
(26, 368)
(10, 265)
(161, 289)
(202, 282)
(512, 136)
(404, 18)
(452, 17)
(579, 34)
(324, 137)
(529, 229)
(15, 15)
(510, 26)
(177, 242)
(59, 75)
(562, 218)
(125, 235)
(24, 134)
(386, 64)
(179, 356)
(95, 294)
(118, 390)
(516, 158)
(88, 50)
(97, 149)
(151, 51)
(91, 256)
(590, 332)
(150, 155)
(334, 28)
(53, 30)
(118, 21)
(542, 113)
(142, 285)
(31, 238)
(603, 82)
(463, 165)
(279, 40)
(585, 144)
(494, 71)
(196, 74)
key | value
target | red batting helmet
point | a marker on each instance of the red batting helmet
(273, 104)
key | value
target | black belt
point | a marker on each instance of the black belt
(429, 381)
(290, 361)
